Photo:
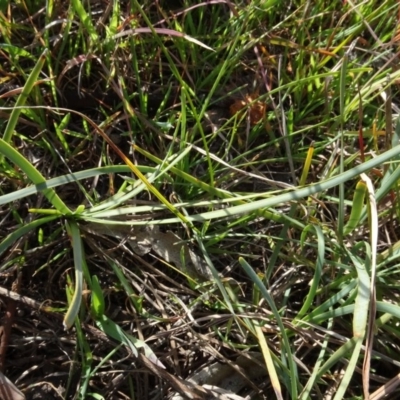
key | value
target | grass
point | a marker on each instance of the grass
(198, 199)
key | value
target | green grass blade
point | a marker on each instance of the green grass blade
(305, 395)
(116, 332)
(30, 82)
(76, 242)
(286, 344)
(388, 308)
(34, 175)
(374, 227)
(113, 330)
(159, 172)
(318, 271)
(291, 195)
(86, 357)
(348, 375)
(329, 303)
(361, 305)
(23, 230)
(356, 208)
(342, 352)
(342, 87)
(86, 20)
(68, 178)
(97, 305)
(133, 297)
(288, 196)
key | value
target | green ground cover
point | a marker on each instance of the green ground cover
(199, 199)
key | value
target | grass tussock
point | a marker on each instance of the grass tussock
(199, 200)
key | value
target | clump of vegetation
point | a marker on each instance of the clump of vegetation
(199, 200)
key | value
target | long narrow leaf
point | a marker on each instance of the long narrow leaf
(372, 310)
(34, 175)
(86, 20)
(356, 208)
(361, 305)
(308, 388)
(342, 352)
(74, 233)
(317, 275)
(286, 344)
(268, 361)
(348, 375)
(30, 82)
(116, 332)
(69, 178)
(289, 196)
(23, 230)
(342, 87)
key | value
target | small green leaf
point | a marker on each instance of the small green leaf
(80, 209)
(14, 51)
(356, 209)
(40, 237)
(98, 305)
